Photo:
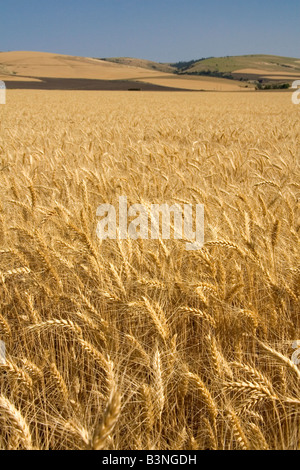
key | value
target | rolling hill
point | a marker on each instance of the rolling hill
(141, 63)
(40, 70)
(251, 67)
(42, 64)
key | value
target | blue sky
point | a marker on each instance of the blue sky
(162, 30)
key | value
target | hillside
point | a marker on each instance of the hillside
(141, 63)
(247, 67)
(47, 71)
(42, 64)
(255, 67)
(40, 70)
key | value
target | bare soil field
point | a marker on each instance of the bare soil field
(89, 85)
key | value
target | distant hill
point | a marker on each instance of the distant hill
(256, 68)
(43, 64)
(41, 70)
(142, 63)
(236, 73)
(247, 67)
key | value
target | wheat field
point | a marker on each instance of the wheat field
(129, 345)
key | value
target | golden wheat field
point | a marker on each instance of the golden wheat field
(125, 344)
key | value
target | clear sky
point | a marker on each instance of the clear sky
(161, 30)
